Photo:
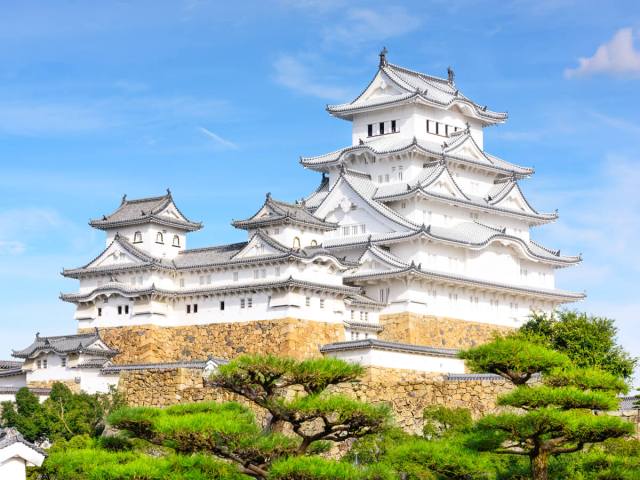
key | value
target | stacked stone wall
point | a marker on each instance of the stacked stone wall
(73, 386)
(405, 391)
(286, 337)
(436, 331)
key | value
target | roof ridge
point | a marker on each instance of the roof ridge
(148, 199)
(212, 247)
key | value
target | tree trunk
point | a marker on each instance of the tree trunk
(540, 465)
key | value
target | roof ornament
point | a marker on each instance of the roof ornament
(468, 126)
(168, 191)
(324, 176)
(383, 57)
(484, 108)
(343, 169)
(104, 217)
(451, 75)
(142, 213)
(124, 198)
(37, 335)
(268, 195)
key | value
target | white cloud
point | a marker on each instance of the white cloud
(11, 247)
(617, 123)
(292, 73)
(617, 57)
(365, 25)
(218, 140)
(21, 225)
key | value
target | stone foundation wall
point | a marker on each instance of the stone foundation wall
(73, 386)
(406, 391)
(436, 331)
(286, 337)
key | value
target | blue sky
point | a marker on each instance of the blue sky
(217, 100)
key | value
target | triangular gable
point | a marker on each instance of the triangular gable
(375, 259)
(117, 254)
(382, 87)
(171, 211)
(513, 199)
(345, 205)
(259, 245)
(467, 147)
(444, 184)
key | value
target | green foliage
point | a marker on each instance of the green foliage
(563, 398)
(587, 379)
(421, 459)
(27, 415)
(316, 374)
(371, 449)
(316, 468)
(589, 341)
(97, 464)
(440, 421)
(513, 358)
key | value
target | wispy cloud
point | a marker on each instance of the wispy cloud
(11, 247)
(292, 73)
(366, 25)
(616, 122)
(217, 139)
(615, 57)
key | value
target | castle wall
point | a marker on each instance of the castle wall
(286, 337)
(407, 392)
(436, 331)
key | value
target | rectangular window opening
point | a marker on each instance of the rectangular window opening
(221, 304)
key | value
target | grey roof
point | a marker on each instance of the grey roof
(65, 344)
(461, 377)
(381, 146)
(398, 191)
(11, 372)
(370, 343)
(370, 327)
(144, 210)
(10, 364)
(195, 364)
(629, 403)
(555, 294)
(34, 390)
(417, 87)
(470, 234)
(314, 199)
(127, 291)
(9, 436)
(279, 212)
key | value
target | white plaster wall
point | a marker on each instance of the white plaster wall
(149, 234)
(14, 381)
(374, 357)
(13, 469)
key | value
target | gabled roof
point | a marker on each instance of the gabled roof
(275, 212)
(365, 189)
(393, 85)
(10, 436)
(372, 343)
(318, 195)
(127, 291)
(463, 280)
(144, 260)
(391, 144)
(90, 343)
(398, 191)
(159, 210)
(9, 364)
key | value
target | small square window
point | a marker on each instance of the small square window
(99, 311)
(119, 309)
(195, 308)
(126, 309)
(188, 308)
(221, 304)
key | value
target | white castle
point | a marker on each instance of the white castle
(413, 216)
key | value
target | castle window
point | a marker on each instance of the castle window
(126, 309)
(345, 231)
(182, 283)
(195, 308)
(386, 178)
(296, 243)
(188, 308)
(263, 273)
(381, 128)
(39, 364)
(314, 243)
(352, 314)
(242, 303)
(249, 302)
(176, 241)
(63, 361)
(221, 304)
(137, 237)
(44, 363)
(307, 301)
(370, 130)
(400, 168)
(393, 126)
(322, 303)
(159, 238)
(99, 311)
(235, 276)
(119, 309)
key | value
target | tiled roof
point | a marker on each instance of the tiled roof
(417, 87)
(282, 212)
(553, 294)
(9, 364)
(64, 344)
(34, 390)
(128, 291)
(629, 403)
(9, 436)
(318, 195)
(370, 343)
(366, 326)
(389, 144)
(144, 210)
(195, 364)
(11, 372)
(461, 377)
